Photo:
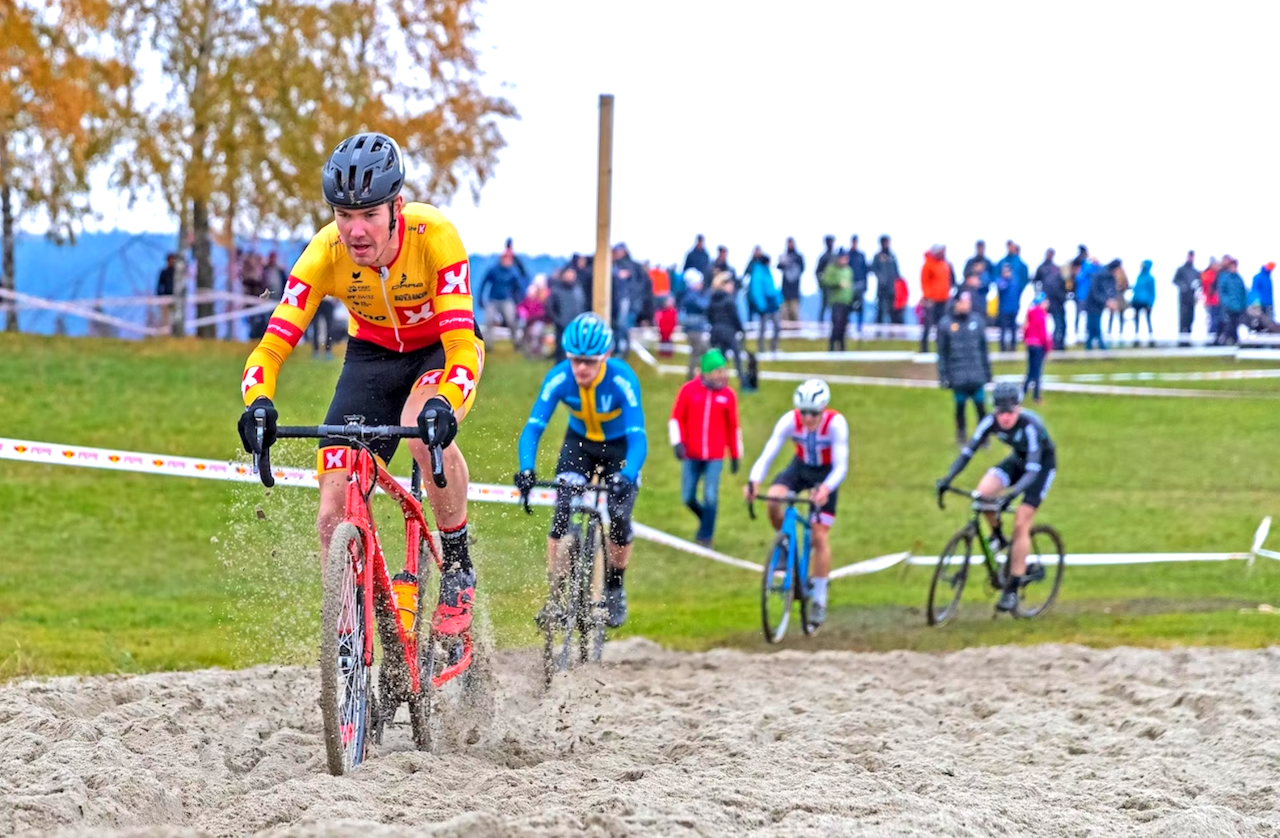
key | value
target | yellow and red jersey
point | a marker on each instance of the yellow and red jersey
(422, 297)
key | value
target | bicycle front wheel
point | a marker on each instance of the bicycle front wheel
(949, 577)
(1043, 577)
(777, 591)
(591, 611)
(346, 681)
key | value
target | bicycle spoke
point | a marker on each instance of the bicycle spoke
(1043, 575)
(949, 577)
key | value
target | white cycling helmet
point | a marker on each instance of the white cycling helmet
(813, 394)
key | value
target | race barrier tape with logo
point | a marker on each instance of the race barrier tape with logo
(49, 453)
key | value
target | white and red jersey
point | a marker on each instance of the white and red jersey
(826, 447)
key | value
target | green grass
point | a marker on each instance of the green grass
(104, 571)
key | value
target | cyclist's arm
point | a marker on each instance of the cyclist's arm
(839, 453)
(771, 448)
(306, 285)
(455, 317)
(966, 453)
(1034, 454)
(633, 419)
(541, 414)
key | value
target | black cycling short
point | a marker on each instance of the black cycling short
(798, 477)
(581, 456)
(1011, 469)
(375, 383)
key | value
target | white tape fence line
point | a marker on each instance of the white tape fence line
(48, 453)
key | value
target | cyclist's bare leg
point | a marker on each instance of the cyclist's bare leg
(1022, 520)
(989, 487)
(820, 551)
(448, 505)
(333, 502)
(618, 555)
(776, 511)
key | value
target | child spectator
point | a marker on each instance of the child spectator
(1036, 336)
(665, 320)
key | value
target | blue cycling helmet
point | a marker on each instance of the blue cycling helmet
(587, 336)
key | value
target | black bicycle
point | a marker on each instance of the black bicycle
(574, 617)
(1040, 583)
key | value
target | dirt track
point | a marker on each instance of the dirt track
(1050, 740)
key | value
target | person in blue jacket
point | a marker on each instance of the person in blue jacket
(1010, 292)
(1144, 297)
(1232, 300)
(1085, 273)
(1260, 293)
(763, 298)
(498, 293)
(605, 438)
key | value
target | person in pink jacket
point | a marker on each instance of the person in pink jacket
(1036, 336)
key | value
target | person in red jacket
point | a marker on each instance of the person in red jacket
(936, 279)
(1036, 337)
(900, 300)
(704, 422)
(665, 320)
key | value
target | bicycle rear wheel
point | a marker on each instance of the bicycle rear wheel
(777, 591)
(949, 577)
(346, 682)
(1045, 565)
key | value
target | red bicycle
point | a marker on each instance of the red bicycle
(360, 601)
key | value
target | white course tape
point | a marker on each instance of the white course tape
(24, 450)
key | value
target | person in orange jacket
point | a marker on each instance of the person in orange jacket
(936, 279)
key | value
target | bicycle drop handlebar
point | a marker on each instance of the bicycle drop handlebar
(789, 499)
(561, 486)
(984, 504)
(352, 431)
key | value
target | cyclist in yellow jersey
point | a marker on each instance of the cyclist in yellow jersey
(414, 353)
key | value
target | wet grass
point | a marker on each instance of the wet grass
(104, 571)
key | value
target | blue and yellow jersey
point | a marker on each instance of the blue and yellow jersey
(606, 409)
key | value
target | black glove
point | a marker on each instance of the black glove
(733, 465)
(525, 481)
(680, 451)
(1005, 501)
(620, 486)
(249, 429)
(438, 412)
(943, 484)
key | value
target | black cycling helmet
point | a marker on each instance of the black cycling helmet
(363, 171)
(1006, 396)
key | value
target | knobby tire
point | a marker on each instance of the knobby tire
(336, 702)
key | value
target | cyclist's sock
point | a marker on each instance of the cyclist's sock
(819, 589)
(454, 548)
(613, 576)
(1011, 583)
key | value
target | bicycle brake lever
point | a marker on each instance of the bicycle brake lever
(437, 467)
(262, 457)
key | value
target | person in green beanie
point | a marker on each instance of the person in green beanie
(704, 424)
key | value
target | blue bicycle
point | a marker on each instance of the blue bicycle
(786, 572)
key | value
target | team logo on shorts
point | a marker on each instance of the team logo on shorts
(335, 459)
(428, 379)
(295, 293)
(454, 279)
(462, 377)
(414, 316)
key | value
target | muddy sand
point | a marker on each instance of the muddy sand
(1047, 740)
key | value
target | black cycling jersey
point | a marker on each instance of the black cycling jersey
(1028, 439)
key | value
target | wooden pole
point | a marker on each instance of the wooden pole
(603, 267)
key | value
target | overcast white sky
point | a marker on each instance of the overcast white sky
(1139, 129)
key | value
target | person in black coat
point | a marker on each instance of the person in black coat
(724, 320)
(964, 367)
(1048, 279)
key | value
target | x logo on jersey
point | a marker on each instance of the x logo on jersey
(453, 279)
(335, 458)
(413, 316)
(461, 376)
(295, 293)
(252, 378)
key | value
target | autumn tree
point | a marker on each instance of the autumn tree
(261, 91)
(63, 94)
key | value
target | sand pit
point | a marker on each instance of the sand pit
(1050, 740)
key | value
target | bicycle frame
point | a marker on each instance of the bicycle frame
(798, 559)
(979, 508)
